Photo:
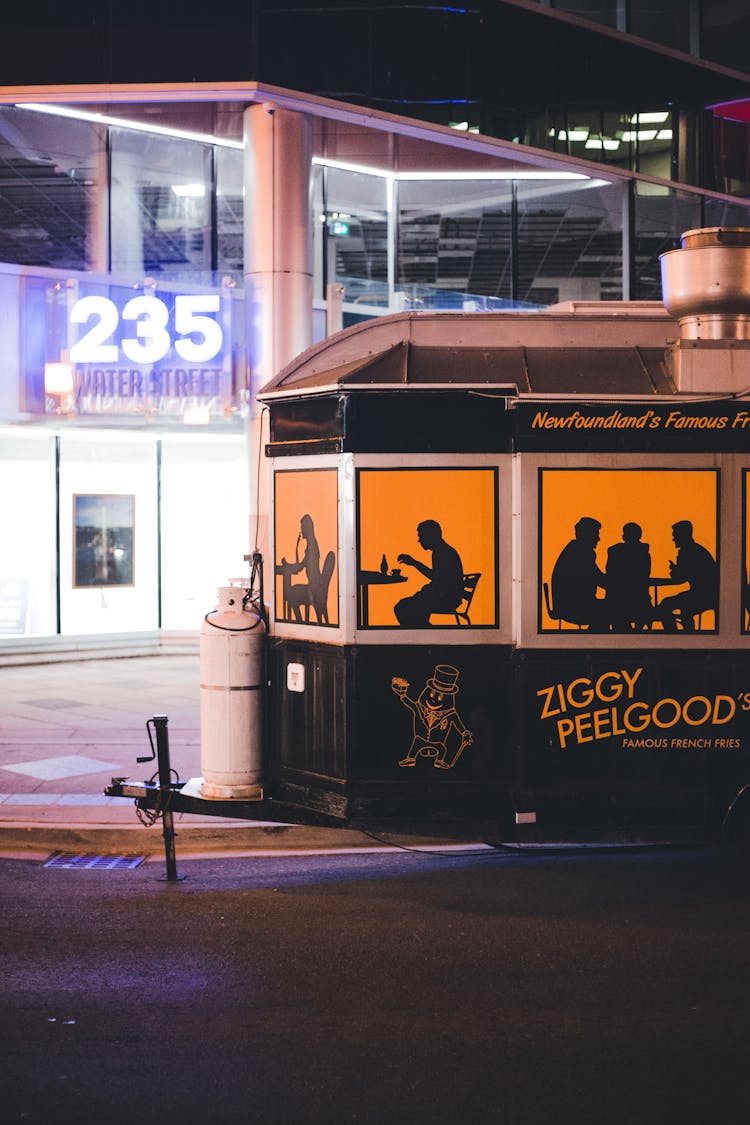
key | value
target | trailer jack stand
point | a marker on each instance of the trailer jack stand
(159, 724)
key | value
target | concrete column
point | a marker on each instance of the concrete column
(97, 230)
(278, 270)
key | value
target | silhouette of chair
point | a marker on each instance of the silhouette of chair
(551, 611)
(299, 596)
(319, 597)
(461, 612)
(698, 617)
(548, 605)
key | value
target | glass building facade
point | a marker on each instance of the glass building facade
(75, 195)
(108, 224)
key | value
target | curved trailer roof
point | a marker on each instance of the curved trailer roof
(521, 353)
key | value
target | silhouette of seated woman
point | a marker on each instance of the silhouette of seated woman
(444, 590)
(696, 566)
(628, 603)
(298, 594)
(576, 578)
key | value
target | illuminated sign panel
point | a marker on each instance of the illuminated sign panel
(197, 336)
(427, 548)
(745, 601)
(662, 709)
(148, 351)
(695, 427)
(306, 546)
(629, 550)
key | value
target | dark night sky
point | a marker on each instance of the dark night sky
(385, 54)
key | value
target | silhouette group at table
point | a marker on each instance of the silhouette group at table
(444, 590)
(629, 601)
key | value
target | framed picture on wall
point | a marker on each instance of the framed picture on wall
(103, 540)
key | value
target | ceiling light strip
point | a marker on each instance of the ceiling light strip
(511, 174)
(124, 123)
(345, 166)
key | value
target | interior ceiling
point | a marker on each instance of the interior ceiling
(44, 206)
(43, 222)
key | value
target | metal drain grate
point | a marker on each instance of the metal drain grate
(71, 861)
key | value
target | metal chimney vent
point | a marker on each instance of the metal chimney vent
(706, 283)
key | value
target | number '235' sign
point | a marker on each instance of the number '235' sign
(144, 330)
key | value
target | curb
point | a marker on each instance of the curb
(108, 840)
(149, 841)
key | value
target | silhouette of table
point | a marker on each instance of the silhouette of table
(367, 578)
(286, 570)
(656, 584)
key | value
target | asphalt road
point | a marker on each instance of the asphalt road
(385, 988)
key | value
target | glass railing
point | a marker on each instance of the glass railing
(414, 297)
(372, 297)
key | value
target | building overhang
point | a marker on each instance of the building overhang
(215, 110)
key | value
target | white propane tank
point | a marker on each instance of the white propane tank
(232, 677)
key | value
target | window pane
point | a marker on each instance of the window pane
(161, 191)
(724, 31)
(354, 228)
(230, 213)
(569, 242)
(662, 21)
(27, 561)
(600, 11)
(114, 478)
(455, 236)
(661, 217)
(730, 153)
(50, 175)
(722, 213)
(203, 484)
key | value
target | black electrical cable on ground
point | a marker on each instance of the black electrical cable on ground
(493, 849)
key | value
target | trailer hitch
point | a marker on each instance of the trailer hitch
(155, 798)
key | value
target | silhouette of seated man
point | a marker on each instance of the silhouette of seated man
(576, 578)
(696, 566)
(444, 590)
(298, 594)
(628, 603)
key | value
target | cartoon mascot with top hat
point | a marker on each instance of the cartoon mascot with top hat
(434, 716)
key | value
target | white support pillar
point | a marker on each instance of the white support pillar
(278, 268)
(98, 217)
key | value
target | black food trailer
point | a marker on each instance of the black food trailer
(507, 569)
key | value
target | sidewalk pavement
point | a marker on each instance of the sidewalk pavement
(67, 728)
